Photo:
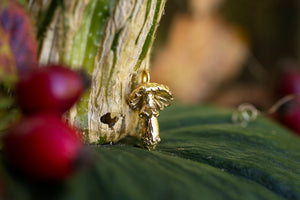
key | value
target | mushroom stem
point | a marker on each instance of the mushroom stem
(150, 133)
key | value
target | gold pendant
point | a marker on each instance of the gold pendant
(149, 99)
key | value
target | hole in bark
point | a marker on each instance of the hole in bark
(107, 119)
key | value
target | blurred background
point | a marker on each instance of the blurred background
(226, 52)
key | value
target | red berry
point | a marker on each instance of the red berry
(289, 82)
(43, 147)
(289, 115)
(49, 89)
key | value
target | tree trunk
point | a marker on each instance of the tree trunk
(111, 40)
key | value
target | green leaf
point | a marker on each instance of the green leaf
(202, 156)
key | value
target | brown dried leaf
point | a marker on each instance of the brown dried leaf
(200, 55)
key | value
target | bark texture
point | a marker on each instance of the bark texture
(111, 40)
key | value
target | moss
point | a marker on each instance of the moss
(102, 140)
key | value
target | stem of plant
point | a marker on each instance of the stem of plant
(111, 40)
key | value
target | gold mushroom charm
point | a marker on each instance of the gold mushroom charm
(149, 99)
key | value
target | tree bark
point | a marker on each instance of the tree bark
(111, 40)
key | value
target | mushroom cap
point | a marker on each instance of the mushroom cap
(149, 98)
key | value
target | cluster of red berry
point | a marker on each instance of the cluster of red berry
(288, 88)
(41, 145)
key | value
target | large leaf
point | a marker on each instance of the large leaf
(202, 156)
